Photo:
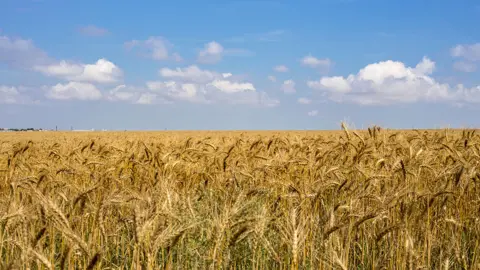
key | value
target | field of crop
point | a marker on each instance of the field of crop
(372, 199)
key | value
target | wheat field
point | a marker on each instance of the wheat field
(371, 199)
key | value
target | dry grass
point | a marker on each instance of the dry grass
(235, 200)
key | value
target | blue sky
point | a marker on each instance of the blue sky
(239, 64)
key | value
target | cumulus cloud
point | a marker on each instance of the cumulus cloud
(175, 90)
(160, 85)
(312, 113)
(103, 71)
(9, 95)
(156, 48)
(123, 93)
(147, 98)
(336, 84)
(425, 67)
(470, 53)
(198, 92)
(462, 94)
(390, 82)
(288, 87)
(16, 95)
(93, 31)
(211, 53)
(135, 95)
(231, 87)
(218, 91)
(467, 51)
(74, 90)
(21, 53)
(205, 86)
(303, 100)
(191, 73)
(313, 62)
(167, 92)
(281, 68)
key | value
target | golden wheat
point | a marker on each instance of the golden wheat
(373, 199)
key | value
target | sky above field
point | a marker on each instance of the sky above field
(239, 64)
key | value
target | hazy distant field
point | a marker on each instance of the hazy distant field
(369, 199)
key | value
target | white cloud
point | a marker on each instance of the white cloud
(175, 90)
(195, 85)
(392, 82)
(124, 96)
(147, 99)
(337, 84)
(303, 100)
(312, 113)
(314, 62)
(281, 68)
(123, 93)
(379, 72)
(189, 90)
(191, 73)
(103, 71)
(288, 87)
(158, 85)
(465, 66)
(272, 78)
(425, 67)
(156, 48)
(211, 53)
(215, 91)
(462, 94)
(136, 95)
(74, 90)
(469, 52)
(16, 95)
(62, 69)
(9, 94)
(92, 30)
(231, 87)
(204, 86)
(21, 53)
(218, 91)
